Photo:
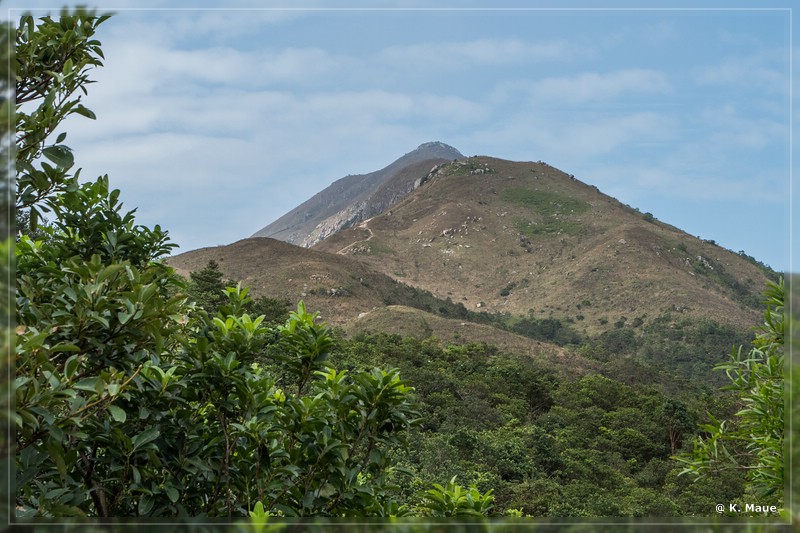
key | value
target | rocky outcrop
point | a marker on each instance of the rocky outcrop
(356, 198)
(384, 198)
(350, 216)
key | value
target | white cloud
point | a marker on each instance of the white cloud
(560, 136)
(479, 52)
(627, 131)
(760, 71)
(140, 66)
(734, 131)
(635, 182)
(590, 86)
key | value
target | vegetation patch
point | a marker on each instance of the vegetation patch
(544, 202)
(715, 271)
(745, 292)
(336, 292)
(505, 291)
(469, 166)
(546, 446)
(550, 226)
(545, 329)
(766, 269)
(372, 248)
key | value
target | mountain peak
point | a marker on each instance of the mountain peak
(439, 146)
(437, 149)
(355, 198)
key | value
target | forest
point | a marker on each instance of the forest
(139, 393)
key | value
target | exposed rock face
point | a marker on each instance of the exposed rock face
(356, 198)
(347, 217)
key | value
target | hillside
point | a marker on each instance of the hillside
(339, 287)
(410, 322)
(350, 295)
(527, 239)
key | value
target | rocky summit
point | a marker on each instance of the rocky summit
(355, 198)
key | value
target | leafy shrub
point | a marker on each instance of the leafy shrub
(454, 500)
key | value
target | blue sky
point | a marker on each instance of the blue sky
(213, 123)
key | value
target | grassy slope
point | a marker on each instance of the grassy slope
(526, 238)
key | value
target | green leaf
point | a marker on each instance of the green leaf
(63, 347)
(172, 494)
(33, 221)
(144, 437)
(89, 384)
(71, 366)
(56, 452)
(117, 413)
(60, 155)
(308, 500)
(259, 513)
(81, 110)
(146, 505)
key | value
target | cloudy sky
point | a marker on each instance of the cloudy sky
(215, 122)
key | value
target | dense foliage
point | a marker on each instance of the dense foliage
(545, 444)
(124, 411)
(51, 66)
(753, 442)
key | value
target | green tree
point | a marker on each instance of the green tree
(753, 441)
(52, 65)
(131, 402)
(207, 288)
(677, 420)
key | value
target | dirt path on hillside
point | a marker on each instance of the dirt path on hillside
(363, 225)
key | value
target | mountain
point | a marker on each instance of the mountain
(528, 239)
(481, 249)
(354, 198)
